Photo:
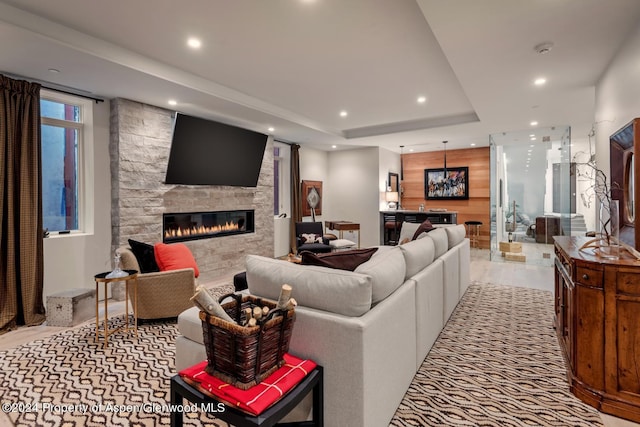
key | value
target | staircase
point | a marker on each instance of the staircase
(576, 223)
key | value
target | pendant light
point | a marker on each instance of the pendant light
(401, 164)
(445, 158)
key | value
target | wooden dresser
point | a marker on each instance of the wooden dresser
(597, 319)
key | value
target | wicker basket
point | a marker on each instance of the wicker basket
(244, 356)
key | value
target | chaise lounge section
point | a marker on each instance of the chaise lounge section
(370, 328)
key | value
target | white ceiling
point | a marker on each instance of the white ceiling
(295, 64)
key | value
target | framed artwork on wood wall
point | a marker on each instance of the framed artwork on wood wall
(446, 184)
(311, 198)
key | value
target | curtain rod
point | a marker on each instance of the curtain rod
(51, 86)
(284, 142)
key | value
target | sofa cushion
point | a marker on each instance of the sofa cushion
(425, 227)
(174, 257)
(344, 260)
(341, 243)
(455, 234)
(145, 256)
(310, 238)
(407, 230)
(387, 271)
(190, 325)
(440, 240)
(337, 291)
(418, 254)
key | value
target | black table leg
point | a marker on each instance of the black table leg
(176, 399)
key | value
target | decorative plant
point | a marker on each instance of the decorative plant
(600, 190)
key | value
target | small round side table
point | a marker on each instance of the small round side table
(132, 276)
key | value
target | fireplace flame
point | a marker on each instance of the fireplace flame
(200, 230)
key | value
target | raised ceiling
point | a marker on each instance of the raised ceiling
(295, 64)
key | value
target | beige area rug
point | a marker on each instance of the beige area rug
(69, 380)
(496, 363)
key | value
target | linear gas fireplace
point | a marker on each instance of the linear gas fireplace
(179, 227)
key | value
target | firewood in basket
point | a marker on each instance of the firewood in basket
(207, 303)
(285, 294)
(265, 311)
(257, 313)
(248, 314)
(252, 322)
(291, 304)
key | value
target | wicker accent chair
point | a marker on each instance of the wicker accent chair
(163, 294)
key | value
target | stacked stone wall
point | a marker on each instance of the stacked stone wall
(139, 149)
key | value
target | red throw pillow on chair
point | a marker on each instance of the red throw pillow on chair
(174, 257)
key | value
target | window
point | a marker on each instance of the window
(281, 178)
(277, 162)
(63, 134)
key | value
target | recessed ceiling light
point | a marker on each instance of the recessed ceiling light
(172, 102)
(411, 150)
(194, 43)
(540, 81)
(271, 129)
(543, 48)
(533, 138)
(343, 113)
(54, 70)
(334, 146)
(422, 99)
(534, 123)
(473, 144)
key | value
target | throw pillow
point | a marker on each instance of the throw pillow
(174, 257)
(311, 238)
(426, 226)
(343, 260)
(145, 255)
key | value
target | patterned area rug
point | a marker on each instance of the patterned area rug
(70, 380)
(496, 363)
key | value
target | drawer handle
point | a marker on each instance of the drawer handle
(585, 277)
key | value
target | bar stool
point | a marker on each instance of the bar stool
(473, 232)
(391, 228)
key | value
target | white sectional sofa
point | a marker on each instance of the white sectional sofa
(371, 328)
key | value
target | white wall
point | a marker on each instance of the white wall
(388, 161)
(71, 261)
(352, 182)
(353, 191)
(617, 96)
(314, 167)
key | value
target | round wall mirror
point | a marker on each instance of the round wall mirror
(629, 187)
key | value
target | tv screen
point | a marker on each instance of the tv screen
(204, 152)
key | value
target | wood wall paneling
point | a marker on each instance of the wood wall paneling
(476, 208)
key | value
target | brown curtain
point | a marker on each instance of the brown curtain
(296, 206)
(21, 259)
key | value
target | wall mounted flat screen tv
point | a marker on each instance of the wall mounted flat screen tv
(204, 152)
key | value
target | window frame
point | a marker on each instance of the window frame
(284, 183)
(85, 178)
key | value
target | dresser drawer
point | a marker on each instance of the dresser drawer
(589, 276)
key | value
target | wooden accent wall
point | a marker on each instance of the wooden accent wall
(476, 208)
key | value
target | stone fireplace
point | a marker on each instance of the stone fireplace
(140, 200)
(182, 227)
